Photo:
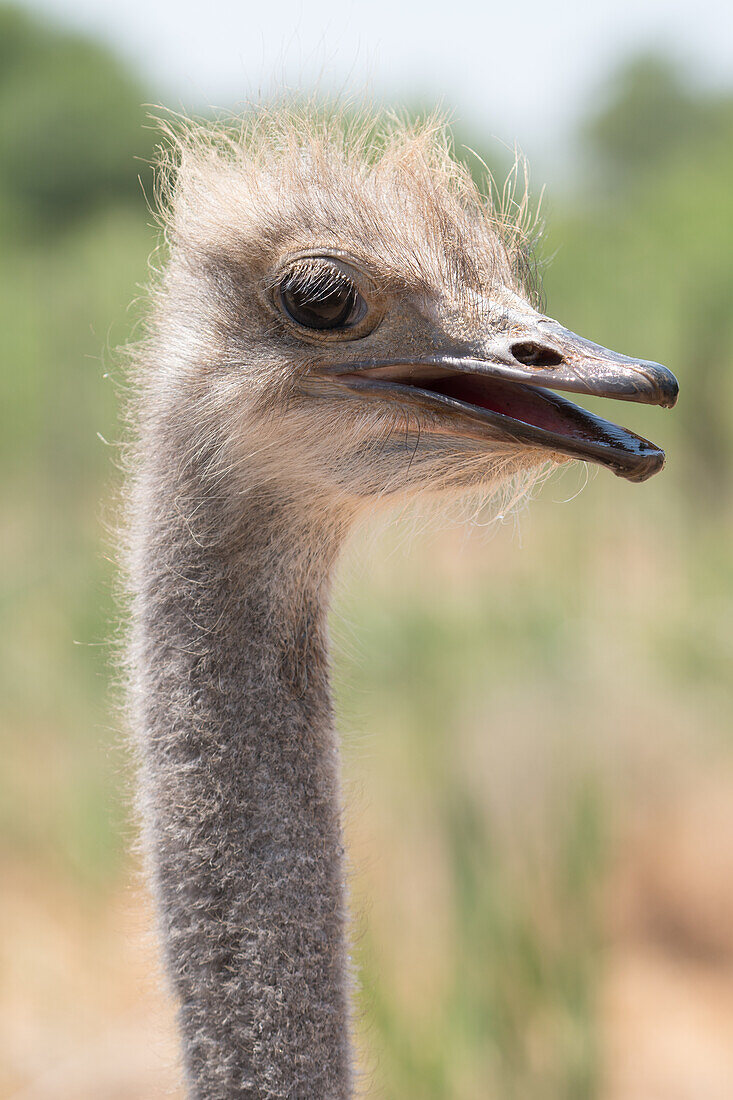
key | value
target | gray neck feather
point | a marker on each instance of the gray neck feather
(240, 792)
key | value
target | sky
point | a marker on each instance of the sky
(522, 71)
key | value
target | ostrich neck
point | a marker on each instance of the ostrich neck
(240, 794)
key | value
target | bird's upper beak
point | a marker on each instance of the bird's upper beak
(546, 354)
(507, 382)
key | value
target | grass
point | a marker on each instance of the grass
(508, 699)
(61, 308)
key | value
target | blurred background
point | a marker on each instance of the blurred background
(537, 714)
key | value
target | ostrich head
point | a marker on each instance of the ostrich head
(357, 323)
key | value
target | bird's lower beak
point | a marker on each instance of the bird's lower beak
(508, 386)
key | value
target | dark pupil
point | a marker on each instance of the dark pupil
(318, 302)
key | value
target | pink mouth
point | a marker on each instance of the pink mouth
(522, 403)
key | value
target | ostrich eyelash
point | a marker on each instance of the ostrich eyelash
(316, 280)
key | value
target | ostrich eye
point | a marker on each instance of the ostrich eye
(320, 296)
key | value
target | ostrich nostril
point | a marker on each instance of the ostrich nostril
(531, 354)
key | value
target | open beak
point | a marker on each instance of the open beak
(508, 389)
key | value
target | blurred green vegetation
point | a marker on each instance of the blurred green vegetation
(497, 689)
(70, 127)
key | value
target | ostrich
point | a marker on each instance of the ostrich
(342, 320)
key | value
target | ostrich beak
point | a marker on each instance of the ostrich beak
(506, 384)
(546, 354)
